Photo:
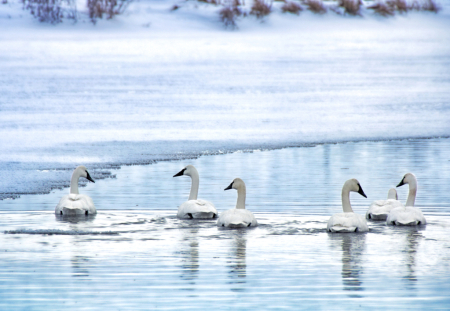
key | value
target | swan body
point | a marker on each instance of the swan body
(407, 215)
(237, 217)
(380, 209)
(348, 221)
(195, 208)
(74, 204)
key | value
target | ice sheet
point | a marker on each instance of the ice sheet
(120, 93)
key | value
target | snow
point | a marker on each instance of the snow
(155, 84)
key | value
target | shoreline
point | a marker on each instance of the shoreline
(104, 171)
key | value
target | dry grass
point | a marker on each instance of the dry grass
(382, 9)
(430, 5)
(291, 7)
(398, 5)
(215, 2)
(315, 6)
(51, 11)
(351, 7)
(229, 14)
(110, 8)
(260, 8)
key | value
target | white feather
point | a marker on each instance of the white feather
(199, 209)
(74, 203)
(237, 217)
(195, 208)
(380, 209)
(348, 221)
(407, 215)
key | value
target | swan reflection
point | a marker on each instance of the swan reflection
(190, 254)
(353, 246)
(75, 219)
(237, 259)
(411, 245)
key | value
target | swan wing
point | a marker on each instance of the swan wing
(237, 218)
(406, 216)
(75, 204)
(198, 209)
(347, 222)
(380, 209)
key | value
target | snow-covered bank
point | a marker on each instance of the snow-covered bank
(121, 92)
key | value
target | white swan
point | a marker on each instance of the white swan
(348, 221)
(194, 208)
(380, 209)
(237, 217)
(407, 215)
(74, 203)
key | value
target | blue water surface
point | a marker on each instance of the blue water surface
(135, 255)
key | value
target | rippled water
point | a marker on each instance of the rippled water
(134, 254)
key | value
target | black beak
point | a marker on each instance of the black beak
(180, 173)
(89, 177)
(229, 187)
(401, 183)
(361, 192)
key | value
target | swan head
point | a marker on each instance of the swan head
(236, 184)
(83, 172)
(392, 194)
(408, 178)
(353, 185)
(188, 171)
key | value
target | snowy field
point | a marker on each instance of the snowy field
(153, 84)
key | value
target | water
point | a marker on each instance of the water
(134, 254)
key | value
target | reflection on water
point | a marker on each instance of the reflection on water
(148, 259)
(237, 261)
(75, 219)
(412, 242)
(189, 252)
(153, 260)
(353, 247)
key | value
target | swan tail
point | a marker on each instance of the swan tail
(67, 211)
(373, 216)
(406, 223)
(199, 215)
(340, 229)
(238, 225)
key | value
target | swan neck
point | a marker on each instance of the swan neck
(74, 182)
(412, 193)
(240, 204)
(194, 185)
(346, 206)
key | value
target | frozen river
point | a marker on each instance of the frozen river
(134, 254)
(169, 89)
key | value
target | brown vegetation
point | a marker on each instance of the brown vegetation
(260, 8)
(351, 7)
(51, 11)
(229, 14)
(291, 7)
(315, 6)
(398, 5)
(98, 8)
(430, 5)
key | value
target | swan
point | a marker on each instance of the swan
(407, 215)
(348, 221)
(380, 209)
(237, 217)
(74, 203)
(194, 208)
